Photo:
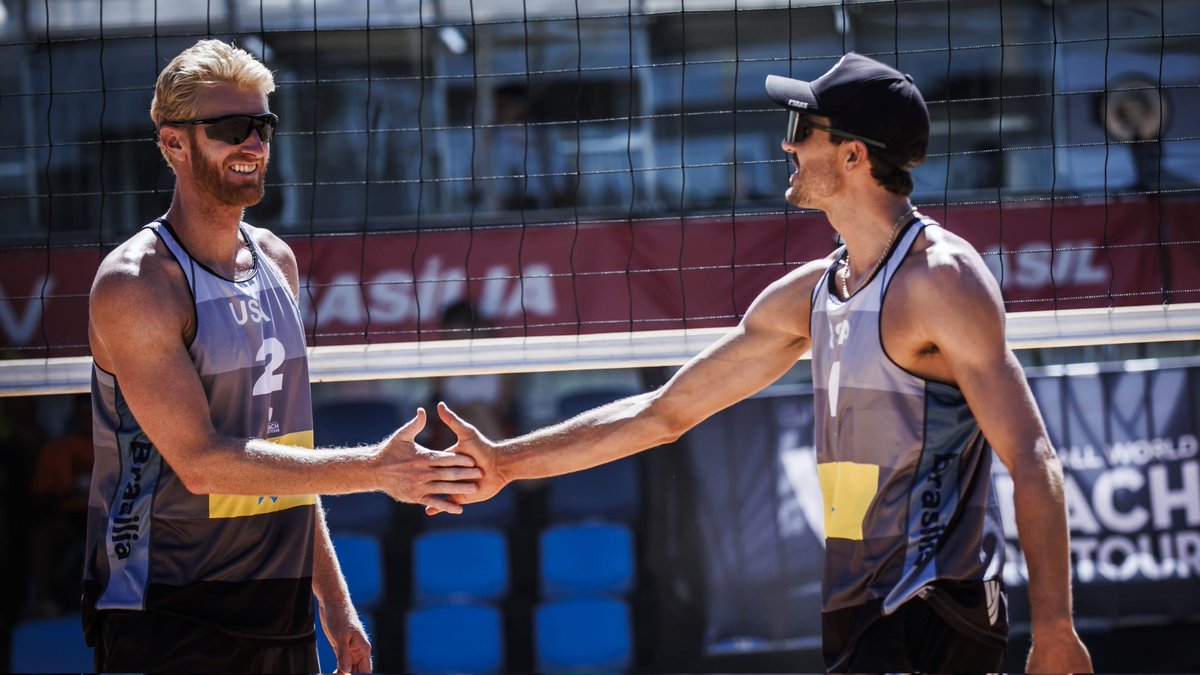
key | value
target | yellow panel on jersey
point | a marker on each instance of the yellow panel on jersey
(300, 439)
(240, 506)
(848, 489)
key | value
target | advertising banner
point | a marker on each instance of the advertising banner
(1128, 442)
(1131, 458)
(619, 276)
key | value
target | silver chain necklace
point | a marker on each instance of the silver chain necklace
(844, 270)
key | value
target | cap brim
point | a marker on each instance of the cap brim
(794, 94)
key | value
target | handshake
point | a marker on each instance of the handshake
(439, 480)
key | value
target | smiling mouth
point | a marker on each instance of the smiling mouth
(244, 169)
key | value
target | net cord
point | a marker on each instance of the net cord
(432, 358)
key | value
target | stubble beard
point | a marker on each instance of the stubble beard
(817, 181)
(210, 178)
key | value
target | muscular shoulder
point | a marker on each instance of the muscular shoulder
(944, 293)
(787, 303)
(140, 266)
(279, 252)
(944, 267)
(138, 286)
(796, 287)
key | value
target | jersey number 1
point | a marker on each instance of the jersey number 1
(835, 376)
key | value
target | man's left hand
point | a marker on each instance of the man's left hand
(350, 643)
(1059, 652)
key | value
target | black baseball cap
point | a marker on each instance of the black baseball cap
(867, 98)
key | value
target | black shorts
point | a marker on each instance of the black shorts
(149, 642)
(916, 638)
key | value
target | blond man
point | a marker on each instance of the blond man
(206, 541)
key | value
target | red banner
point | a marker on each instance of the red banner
(640, 275)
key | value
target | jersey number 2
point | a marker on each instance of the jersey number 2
(273, 353)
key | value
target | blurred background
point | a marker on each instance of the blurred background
(456, 169)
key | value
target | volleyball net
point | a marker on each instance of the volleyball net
(601, 180)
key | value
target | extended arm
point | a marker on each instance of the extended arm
(339, 619)
(769, 340)
(971, 339)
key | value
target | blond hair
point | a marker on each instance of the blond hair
(205, 64)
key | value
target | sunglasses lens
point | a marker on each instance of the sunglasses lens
(796, 130)
(266, 128)
(235, 130)
(232, 131)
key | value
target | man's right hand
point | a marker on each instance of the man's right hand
(474, 444)
(415, 474)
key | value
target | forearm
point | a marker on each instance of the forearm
(1043, 531)
(596, 437)
(737, 365)
(244, 466)
(328, 583)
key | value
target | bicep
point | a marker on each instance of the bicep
(1003, 404)
(972, 341)
(154, 370)
(764, 346)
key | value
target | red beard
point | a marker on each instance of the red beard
(213, 180)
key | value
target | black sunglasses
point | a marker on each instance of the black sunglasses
(799, 127)
(234, 129)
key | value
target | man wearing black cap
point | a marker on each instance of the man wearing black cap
(915, 387)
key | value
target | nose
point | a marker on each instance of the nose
(253, 145)
(789, 149)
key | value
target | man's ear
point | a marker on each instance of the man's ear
(856, 153)
(174, 142)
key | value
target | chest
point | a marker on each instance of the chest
(253, 323)
(877, 327)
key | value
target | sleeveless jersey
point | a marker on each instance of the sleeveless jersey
(905, 476)
(241, 564)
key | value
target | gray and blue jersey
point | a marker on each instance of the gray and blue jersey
(242, 564)
(905, 474)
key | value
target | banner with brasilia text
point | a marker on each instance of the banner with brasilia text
(1129, 443)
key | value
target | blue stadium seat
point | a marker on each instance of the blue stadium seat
(460, 564)
(456, 638)
(499, 512)
(351, 423)
(586, 558)
(328, 660)
(50, 646)
(367, 512)
(361, 560)
(585, 634)
(609, 492)
(355, 421)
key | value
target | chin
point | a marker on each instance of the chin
(241, 203)
(793, 197)
(244, 198)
